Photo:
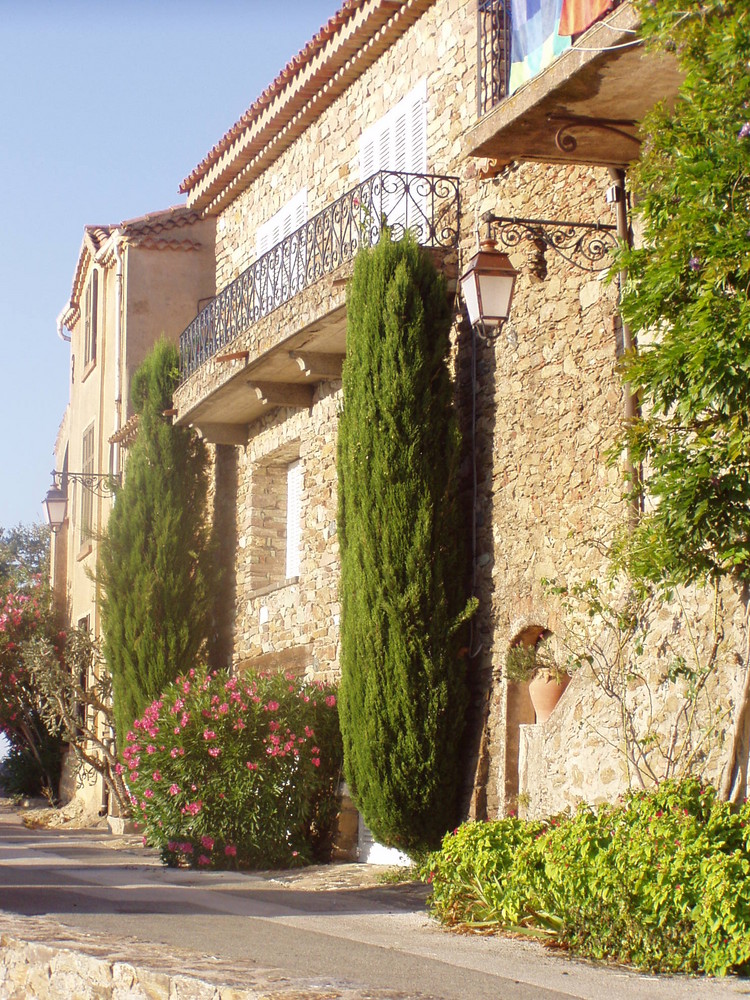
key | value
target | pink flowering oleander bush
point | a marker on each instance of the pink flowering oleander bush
(22, 616)
(35, 759)
(226, 772)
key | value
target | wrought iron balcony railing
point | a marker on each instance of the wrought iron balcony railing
(427, 205)
(493, 44)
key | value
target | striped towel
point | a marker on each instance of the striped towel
(577, 15)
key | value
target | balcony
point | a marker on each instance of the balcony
(280, 328)
(582, 108)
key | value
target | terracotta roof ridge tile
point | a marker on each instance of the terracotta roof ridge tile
(154, 242)
(284, 78)
(176, 215)
(149, 226)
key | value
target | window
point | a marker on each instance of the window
(398, 143)
(284, 271)
(399, 140)
(493, 62)
(293, 521)
(84, 625)
(275, 519)
(87, 496)
(283, 223)
(91, 319)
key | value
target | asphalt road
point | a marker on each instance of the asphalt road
(375, 937)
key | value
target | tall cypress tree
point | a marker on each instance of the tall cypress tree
(403, 599)
(153, 565)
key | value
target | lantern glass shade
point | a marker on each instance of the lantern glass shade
(56, 506)
(487, 285)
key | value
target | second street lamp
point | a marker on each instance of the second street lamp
(56, 500)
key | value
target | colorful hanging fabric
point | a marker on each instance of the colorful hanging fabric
(535, 39)
(577, 15)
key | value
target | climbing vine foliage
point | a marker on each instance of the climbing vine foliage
(688, 300)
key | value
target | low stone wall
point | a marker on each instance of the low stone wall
(42, 960)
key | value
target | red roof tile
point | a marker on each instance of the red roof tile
(147, 231)
(285, 77)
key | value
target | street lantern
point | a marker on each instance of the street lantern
(56, 500)
(56, 506)
(487, 285)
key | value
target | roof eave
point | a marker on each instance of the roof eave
(374, 27)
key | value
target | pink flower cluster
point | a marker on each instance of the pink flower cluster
(196, 736)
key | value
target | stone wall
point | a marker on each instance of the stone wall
(580, 753)
(291, 622)
(539, 409)
(43, 960)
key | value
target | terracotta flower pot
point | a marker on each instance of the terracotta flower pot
(545, 692)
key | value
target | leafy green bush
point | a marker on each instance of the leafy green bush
(226, 772)
(473, 875)
(25, 773)
(660, 880)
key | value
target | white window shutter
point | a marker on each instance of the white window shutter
(366, 158)
(263, 244)
(417, 116)
(401, 144)
(299, 209)
(293, 518)
(290, 217)
(398, 142)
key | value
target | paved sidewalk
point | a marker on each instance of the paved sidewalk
(329, 932)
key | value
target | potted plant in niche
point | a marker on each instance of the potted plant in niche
(531, 660)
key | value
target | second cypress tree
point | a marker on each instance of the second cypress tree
(403, 691)
(156, 604)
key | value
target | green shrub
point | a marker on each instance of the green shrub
(226, 772)
(472, 875)
(403, 587)
(23, 773)
(643, 881)
(660, 881)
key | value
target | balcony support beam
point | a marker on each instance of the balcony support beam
(235, 434)
(284, 394)
(319, 367)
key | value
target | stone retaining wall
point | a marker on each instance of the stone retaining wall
(42, 960)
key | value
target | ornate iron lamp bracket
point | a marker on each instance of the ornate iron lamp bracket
(583, 244)
(100, 484)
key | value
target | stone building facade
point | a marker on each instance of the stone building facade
(394, 87)
(133, 283)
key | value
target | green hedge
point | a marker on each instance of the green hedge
(661, 880)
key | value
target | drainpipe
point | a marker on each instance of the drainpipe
(116, 236)
(61, 327)
(632, 407)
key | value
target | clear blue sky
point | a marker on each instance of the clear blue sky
(105, 107)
